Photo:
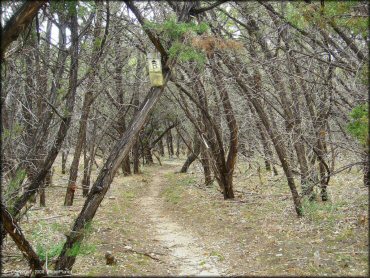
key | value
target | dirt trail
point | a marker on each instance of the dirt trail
(185, 251)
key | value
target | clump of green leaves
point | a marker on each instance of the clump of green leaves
(81, 249)
(15, 184)
(359, 125)
(185, 53)
(342, 14)
(294, 16)
(219, 256)
(174, 31)
(12, 133)
(50, 252)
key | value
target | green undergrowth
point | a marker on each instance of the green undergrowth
(49, 241)
(263, 223)
(319, 212)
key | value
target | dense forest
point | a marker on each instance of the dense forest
(184, 138)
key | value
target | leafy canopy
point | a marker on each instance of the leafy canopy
(174, 31)
(359, 125)
(342, 14)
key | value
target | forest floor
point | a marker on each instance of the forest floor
(164, 223)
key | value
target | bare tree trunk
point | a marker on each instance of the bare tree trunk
(47, 182)
(169, 141)
(233, 130)
(366, 169)
(64, 160)
(87, 102)
(11, 227)
(148, 154)
(177, 145)
(85, 186)
(193, 155)
(126, 167)
(136, 103)
(88, 163)
(18, 22)
(136, 160)
(206, 167)
(161, 147)
(78, 149)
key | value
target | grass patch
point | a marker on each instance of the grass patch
(49, 252)
(128, 195)
(320, 211)
(219, 256)
(346, 234)
(58, 227)
(186, 180)
(172, 194)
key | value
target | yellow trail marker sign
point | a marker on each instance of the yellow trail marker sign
(155, 70)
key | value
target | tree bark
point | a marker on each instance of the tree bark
(87, 102)
(207, 172)
(233, 130)
(18, 22)
(193, 155)
(169, 141)
(46, 183)
(136, 103)
(161, 147)
(177, 145)
(88, 163)
(64, 160)
(10, 225)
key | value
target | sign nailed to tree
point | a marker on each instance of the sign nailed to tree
(155, 70)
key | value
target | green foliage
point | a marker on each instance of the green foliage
(132, 61)
(319, 211)
(12, 133)
(340, 13)
(81, 249)
(50, 252)
(174, 31)
(62, 6)
(85, 8)
(186, 53)
(219, 256)
(294, 16)
(172, 194)
(97, 43)
(364, 74)
(129, 195)
(15, 183)
(61, 93)
(359, 125)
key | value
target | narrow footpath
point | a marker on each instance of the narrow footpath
(185, 252)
